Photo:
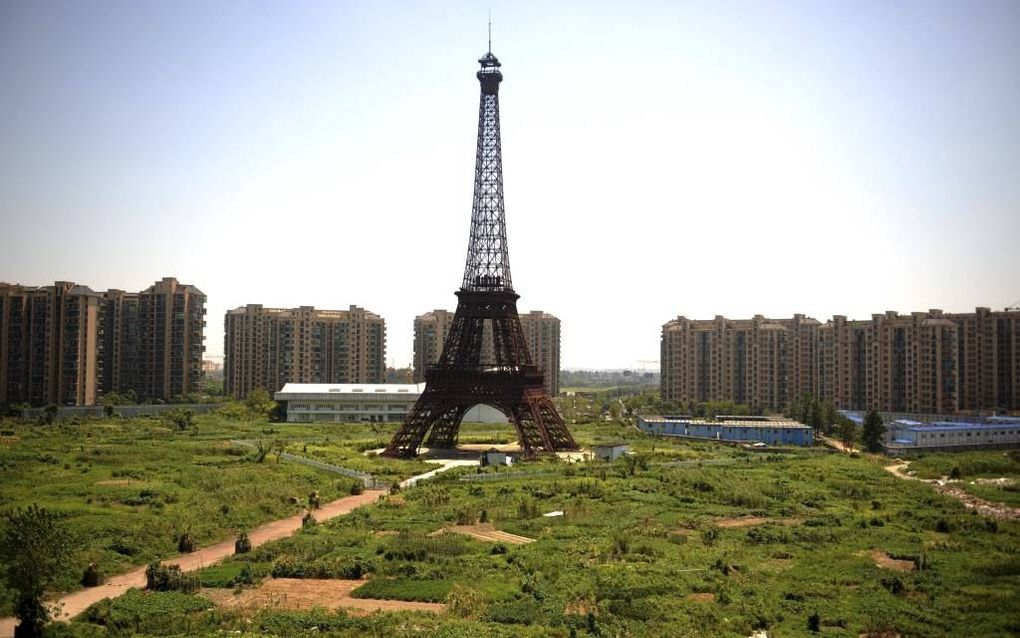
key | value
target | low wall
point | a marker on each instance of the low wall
(69, 411)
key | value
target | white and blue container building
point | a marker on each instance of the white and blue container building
(732, 429)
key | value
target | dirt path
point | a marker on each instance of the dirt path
(751, 521)
(835, 443)
(944, 486)
(298, 593)
(77, 602)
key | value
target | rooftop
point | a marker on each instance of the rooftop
(352, 388)
(729, 421)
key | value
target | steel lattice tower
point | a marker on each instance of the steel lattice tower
(486, 301)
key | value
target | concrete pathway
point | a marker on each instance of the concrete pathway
(446, 464)
(75, 603)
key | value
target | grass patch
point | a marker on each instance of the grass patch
(427, 591)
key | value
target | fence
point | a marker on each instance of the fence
(506, 476)
(367, 480)
(69, 411)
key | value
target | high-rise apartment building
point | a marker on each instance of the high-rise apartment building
(430, 330)
(269, 347)
(171, 319)
(760, 362)
(67, 344)
(930, 362)
(988, 347)
(541, 332)
(893, 363)
(49, 350)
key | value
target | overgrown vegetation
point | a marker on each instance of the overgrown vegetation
(685, 538)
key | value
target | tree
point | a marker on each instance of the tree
(35, 547)
(50, 413)
(830, 417)
(181, 418)
(815, 418)
(846, 432)
(873, 432)
(259, 402)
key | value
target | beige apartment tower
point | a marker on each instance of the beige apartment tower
(67, 344)
(49, 350)
(269, 347)
(541, 332)
(764, 363)
(925, 362)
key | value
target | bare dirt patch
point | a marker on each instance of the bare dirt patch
(486, 532)
(885, 561)
(705, 597)
(306, 593)
(751, 521)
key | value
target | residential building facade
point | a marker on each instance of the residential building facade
(269, 347)
(764, 363)
(67, 344)
(541, 333)
(49, 350)
(922, 362)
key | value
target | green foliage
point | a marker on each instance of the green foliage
(343, 567)
(873, 432)
(624, 560)
(35, 547)
(180, 418)
(149, 612)
(160, 577)
(427, 591)
(259, 403)
(233, 574)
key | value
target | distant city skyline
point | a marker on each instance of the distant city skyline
(698, 160)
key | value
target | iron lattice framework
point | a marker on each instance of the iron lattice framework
(486, 303)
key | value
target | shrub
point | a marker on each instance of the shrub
(186, 544)
(170, 578)
(308, 520)
(464, 602)
(243, 544)
(344, 568)
(93, 576)
(357, 488)
(709, 536)
(523, 611)
(814, 623)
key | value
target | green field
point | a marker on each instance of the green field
(654, 545)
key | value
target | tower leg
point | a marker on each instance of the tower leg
(427, 410)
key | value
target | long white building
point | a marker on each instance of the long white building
(358, 403)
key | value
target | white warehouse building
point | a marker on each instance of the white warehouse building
(357, 403)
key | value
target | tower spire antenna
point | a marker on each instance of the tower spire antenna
(490, 30)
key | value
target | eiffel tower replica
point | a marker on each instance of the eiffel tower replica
(486, 309)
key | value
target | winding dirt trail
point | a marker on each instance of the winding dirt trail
(77, 602)
(998, 511)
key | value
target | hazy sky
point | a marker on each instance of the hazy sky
(659, 158)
